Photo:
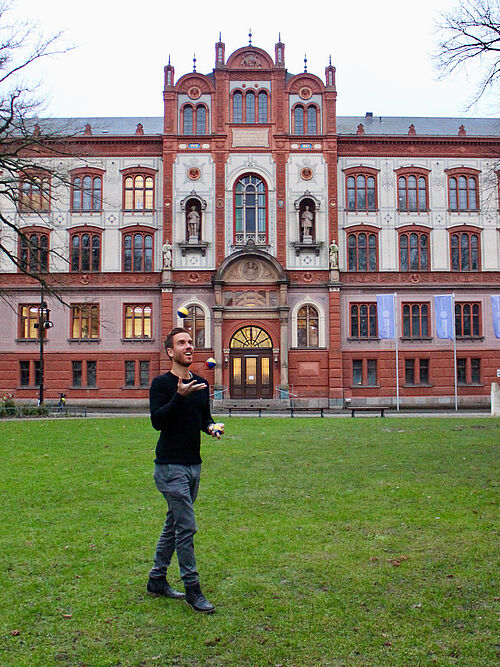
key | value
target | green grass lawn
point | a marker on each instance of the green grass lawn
(321, 541)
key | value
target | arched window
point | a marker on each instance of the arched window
(468, 319)
(298, 120)
(414, 251)
(361, 190)
(34, 252)
(415, 320)
(187, 119)
(138, 251)
(412, 193)
(250, 210)
(87, 193)
(463, 190)
(362, 251)
(195, 324)
(262, 107)
(35, 193)
(85, 251)
(250, 107)
(305, 119)
(139, 192)
(237, 107)
(201, 119)
(464, 251)
(307, 327)
(312, 120)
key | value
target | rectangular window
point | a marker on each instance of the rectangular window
(84, 321)
(91, 373)
(363, 320)
(129, 373)
(415, 320)
(144, 373)
(24, 373)
(468, 370)
(468, 319)
(371, 372)
(137, 321)
(417, 371)
(77, 373)
(357, 371)
(28, 324)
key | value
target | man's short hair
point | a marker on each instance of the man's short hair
(169, 340)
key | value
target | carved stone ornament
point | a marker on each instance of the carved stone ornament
(307, 195)
(250, 59)
(250, 270)
(305, 93)
(306, 174)
(194, 92)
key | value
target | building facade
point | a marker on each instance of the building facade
(276, 224)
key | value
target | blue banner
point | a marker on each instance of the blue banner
(444, 316)
(385, 316)
(495, 313)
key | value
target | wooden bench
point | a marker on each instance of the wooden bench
(368, 408)
(246, 408)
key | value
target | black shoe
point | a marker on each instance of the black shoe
(160, 586)
(196, 600)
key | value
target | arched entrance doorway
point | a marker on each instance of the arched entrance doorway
(251, 369)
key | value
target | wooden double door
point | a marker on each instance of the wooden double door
(251, 364)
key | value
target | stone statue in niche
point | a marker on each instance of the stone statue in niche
(166, 250)
(334, 255)
(193, 222)
(306, 224)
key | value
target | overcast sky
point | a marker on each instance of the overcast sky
(382, 52)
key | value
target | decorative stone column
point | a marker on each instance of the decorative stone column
(217, 345)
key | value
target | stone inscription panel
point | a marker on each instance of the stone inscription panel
(250, 137)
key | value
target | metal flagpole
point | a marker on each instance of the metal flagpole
(454, 347)
(397, 354)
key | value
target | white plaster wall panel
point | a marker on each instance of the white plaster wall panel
(203, 188)
(297, 187)
(233, 85)
(263, 165)
(111, 250)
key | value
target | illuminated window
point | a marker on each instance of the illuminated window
(137, 321)
(195, 324)
(307, 327)
(84, 321)
(34, 193)
(138, 192)
(28, 322)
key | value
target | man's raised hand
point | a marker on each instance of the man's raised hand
(184, 389)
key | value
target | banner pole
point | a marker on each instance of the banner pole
(397, 355)
(454, 347)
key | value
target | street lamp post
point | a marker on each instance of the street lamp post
(42, 325)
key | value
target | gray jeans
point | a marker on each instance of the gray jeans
(179, 485)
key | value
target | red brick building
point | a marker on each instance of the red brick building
(276, 223)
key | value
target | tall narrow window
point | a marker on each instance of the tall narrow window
(188, 119)
(237, 107)
(262, 107)
(298, 120)
(250, 210)
(201, 119)
(307, 327)
(312, 120)
(195, 324)
(28, 322)
(250, 107)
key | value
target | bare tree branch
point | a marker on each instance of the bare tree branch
(471, 32)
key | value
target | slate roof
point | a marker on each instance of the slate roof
(346, 125)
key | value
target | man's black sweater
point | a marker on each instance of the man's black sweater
(179, 418)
